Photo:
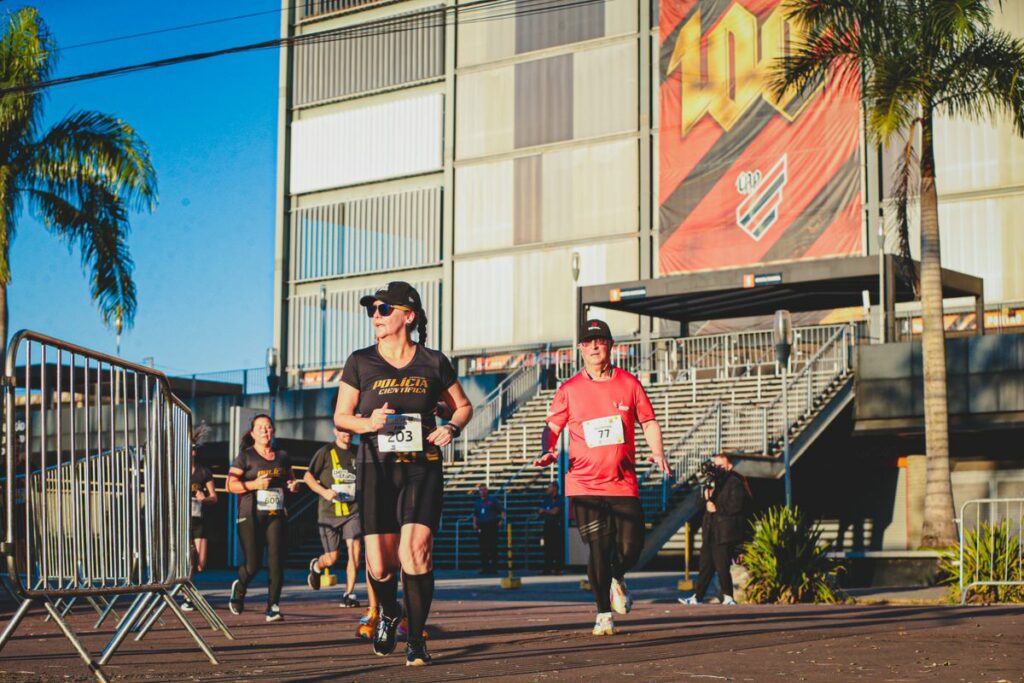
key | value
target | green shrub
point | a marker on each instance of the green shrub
(991, 553)
(787, 561)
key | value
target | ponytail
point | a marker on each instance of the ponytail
(421, 327)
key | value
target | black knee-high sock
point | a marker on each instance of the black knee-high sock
(599, 571)
(419, 593)
(387, 593)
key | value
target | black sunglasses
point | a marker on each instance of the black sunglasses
(384, 309)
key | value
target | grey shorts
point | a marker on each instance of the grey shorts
(333, 533)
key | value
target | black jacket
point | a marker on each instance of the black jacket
(726, 524)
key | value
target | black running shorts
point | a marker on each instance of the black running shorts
(393, 492)
(198, 530)
(598, 516)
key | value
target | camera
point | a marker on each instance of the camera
(706, 477)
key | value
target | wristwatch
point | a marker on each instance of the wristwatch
(454, 429)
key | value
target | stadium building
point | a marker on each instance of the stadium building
(527, 162)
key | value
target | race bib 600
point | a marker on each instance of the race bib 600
(270, 500)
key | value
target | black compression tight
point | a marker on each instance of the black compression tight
(611, 557)
(255, 534)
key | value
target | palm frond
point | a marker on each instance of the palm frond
(983, 79)
(907, 180)
(200, 433)
(892, 94)
(97, 224)
(27, 56)
(91, 148)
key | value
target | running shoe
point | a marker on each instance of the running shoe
(350, 600)
(622, 602)
(236, 603)
(313, 580)
(728, 600)
(186, 606)
(692, 600)
(604, 626)
(384, 635)
(367, 625)
(416, 653)
(274, 613)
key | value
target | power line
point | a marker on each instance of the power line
(390, 25)
(171, 29)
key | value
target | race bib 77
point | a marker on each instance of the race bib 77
(604, 431)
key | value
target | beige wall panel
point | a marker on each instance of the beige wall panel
(974, 157)
(484, 291)
(984, 237)
(591, 191)
(527, 298)
(605, 90)
(484, 114)
(483, 206)
(621, 16)
(485, 41)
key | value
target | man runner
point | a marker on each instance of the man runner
(602, 405)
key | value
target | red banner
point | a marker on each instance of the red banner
(746, 177)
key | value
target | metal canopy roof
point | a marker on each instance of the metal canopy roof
(816, 285)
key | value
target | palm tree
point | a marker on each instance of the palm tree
(80, 178)
(913, 60)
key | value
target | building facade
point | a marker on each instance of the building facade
(497, 153)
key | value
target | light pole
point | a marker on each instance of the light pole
(782, 335)
(273, 378)
(323, 334)
(575, 261)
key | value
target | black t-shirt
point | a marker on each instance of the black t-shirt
(413, 390)
(200, 476)
(322, 469)
(253, 466)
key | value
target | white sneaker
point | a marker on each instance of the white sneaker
(692, 600)
(604, 626)
(622, 602)
(727, 600)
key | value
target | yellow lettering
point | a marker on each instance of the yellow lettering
(736, 76)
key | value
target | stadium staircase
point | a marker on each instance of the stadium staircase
(709, 393)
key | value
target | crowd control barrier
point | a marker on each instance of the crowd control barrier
(96, 491)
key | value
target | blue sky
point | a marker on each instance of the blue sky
(204, 258)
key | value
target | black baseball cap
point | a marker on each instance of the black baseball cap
(595, 329)
(396, 293)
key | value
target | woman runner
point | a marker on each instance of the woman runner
(259, 475)
(397, 385)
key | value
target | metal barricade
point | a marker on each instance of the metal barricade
(97, 493)
(991, 550)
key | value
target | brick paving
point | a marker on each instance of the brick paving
(541, 633)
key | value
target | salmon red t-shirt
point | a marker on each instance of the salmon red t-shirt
(599, 415)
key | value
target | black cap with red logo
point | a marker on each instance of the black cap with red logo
(595, 329)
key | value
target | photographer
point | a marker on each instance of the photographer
(725, 493)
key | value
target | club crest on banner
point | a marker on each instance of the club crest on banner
(760, 209)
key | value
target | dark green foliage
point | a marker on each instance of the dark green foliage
(787, 561)
(992, 552)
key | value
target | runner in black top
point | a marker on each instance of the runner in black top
(396, 385)
(332, 476)
(259, 475)
(203, 495)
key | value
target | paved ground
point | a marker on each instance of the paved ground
(541, 633)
